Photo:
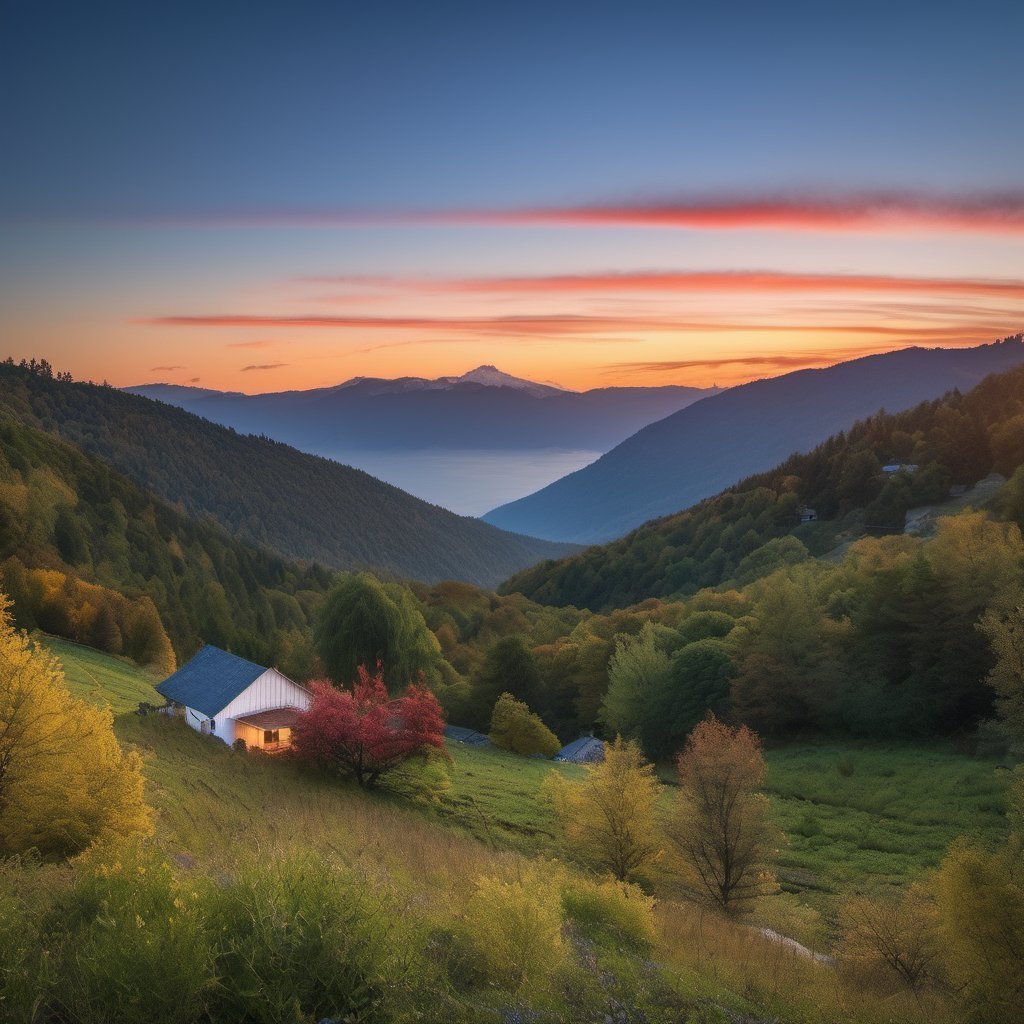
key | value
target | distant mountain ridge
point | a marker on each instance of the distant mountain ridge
(299, 506)
(711, 444)
(482, 409)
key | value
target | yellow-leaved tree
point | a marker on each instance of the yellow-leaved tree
(608, 819)
(980, 896)
(64, 779)
(515, 727)
(720, 828)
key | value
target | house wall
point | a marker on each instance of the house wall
(224, 728)
(270, 690)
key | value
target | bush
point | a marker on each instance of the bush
(23, 967)
(135, 946)
(891, 936)
(516, 926)
(298, 938)
(610, 912)
(514, 727)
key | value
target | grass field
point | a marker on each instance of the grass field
(855, 815)
(101, 678)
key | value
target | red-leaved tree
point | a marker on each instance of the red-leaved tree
(365, 732)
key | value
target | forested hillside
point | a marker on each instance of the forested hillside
(695, 453)
(754, 527)
(300, 506)
(88, 555)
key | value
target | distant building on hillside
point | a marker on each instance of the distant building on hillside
(468, 736)
(585, 750)
(225, 696)
(808, 515)
(900, 467)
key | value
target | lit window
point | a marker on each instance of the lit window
(271, 736)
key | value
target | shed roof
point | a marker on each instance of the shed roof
(470, 736)
(586, 748)
(210, 681)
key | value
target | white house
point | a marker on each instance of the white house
(233, 699)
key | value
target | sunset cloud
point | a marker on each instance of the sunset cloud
(264, 366)
(586, 328)
(774, 360)
(708, 281)
(167, 368)
(881, 211)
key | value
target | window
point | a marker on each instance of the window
(271, 736)
(213, 725)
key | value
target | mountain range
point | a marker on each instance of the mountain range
(263, 492)
(709, 445)
(483, 409)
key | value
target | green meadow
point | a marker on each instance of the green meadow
(855, 815)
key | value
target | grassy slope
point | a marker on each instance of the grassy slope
(853, 814)
(213, 804)
(101, 678)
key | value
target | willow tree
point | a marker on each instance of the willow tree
(365, 623)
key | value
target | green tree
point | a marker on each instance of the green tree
(361, 623)
(636, 670)
(509, 667)
(697, 681)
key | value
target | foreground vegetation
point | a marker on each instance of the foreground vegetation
(262, 880)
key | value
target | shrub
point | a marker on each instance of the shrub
(516, 926)
(298, 938)
(981, 922)
(515, 727)
(134, 942)
(24, 974)
(64, 780)
(896, 936)
(610, 912)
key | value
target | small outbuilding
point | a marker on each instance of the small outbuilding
(585, 750)
(471, 737)
(808, 515)
(222, 695)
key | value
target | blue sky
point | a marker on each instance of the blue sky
(157, 157)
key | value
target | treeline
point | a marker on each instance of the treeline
(86, 554)
(957, 439)
(262, 492)
(894, 640)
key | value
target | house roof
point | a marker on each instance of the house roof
(586, 748)
(275, 718)
(210, 681)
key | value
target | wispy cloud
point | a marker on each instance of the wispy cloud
(987, 212)
(264, 366)
(773, 360)
(249, 344)
(708, 281)
(153, 369)
(558, 325)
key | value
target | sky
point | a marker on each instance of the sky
(260, 197)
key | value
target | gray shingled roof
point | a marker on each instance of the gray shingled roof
(585, 749)
(210, 681)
